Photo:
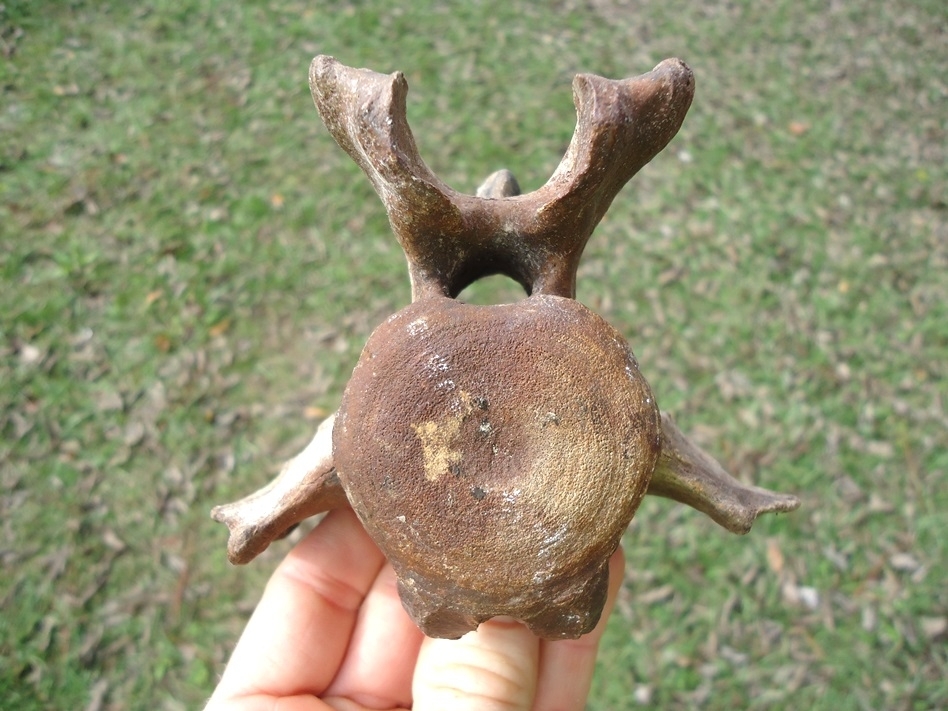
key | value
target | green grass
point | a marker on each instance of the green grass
(189, 267)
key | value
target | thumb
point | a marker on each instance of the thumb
(493, 668)
(496, 667)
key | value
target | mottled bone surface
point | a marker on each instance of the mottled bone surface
(689, 475)
(306, 485)
(497, 453)
(452, 239)
(684, 473)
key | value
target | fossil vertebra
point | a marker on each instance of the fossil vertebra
(497, 453)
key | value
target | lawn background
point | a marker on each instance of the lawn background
(189, 268)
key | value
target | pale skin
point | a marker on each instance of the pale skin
(330, 633)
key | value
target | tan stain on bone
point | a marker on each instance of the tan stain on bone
(439, 437)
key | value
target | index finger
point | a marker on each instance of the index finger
(297, 637)
(567, 666)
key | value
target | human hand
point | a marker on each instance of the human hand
(330, 633)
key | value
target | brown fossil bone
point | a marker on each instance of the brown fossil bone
(497, 453)
(537, 239)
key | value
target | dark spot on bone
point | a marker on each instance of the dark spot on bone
(478, 493)
(288, 531)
